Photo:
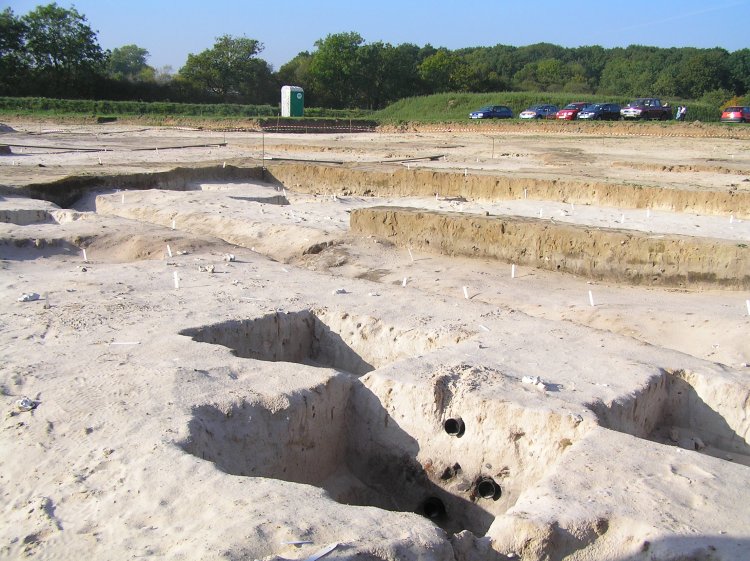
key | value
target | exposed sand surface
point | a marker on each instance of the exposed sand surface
(520, 344)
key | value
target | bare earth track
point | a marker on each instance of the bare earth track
(489, 342)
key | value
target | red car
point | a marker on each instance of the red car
(736, 115)
(570, 111)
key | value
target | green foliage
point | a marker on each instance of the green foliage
(230, 70)
(52, 52)
(92, 107)
(13, 64)
(336, 69)
(62, 49)
(129, 63)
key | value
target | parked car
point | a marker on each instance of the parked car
(571, 110)
(492, 112)
(647, 108)
(600, 112)
(539, 112)
(736, 114)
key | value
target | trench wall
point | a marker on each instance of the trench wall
(64, 192)
(421, 183)
(599, 254)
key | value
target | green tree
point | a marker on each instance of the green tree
(548, 75)
(401, 76)
(336, 68)
(446, 72)
(230, 70)
(129, 63)
(63, 51)
(703, 72)
(13, 65)
(738, 64)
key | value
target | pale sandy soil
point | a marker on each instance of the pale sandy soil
(319, 414)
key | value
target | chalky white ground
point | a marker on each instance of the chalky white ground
(110, 462)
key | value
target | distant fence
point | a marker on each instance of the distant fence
(305, 126)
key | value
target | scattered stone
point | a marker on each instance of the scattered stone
(28, 297)
(25, 404)
(206, 268)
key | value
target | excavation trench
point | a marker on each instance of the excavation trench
(603, 254)
(400, 182)
(372, 439)
(695, 412)
(387, 180)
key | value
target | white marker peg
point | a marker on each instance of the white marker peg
(731, 218)
(410, 254)
(169, 251)
(122, 200)
(591, 298)
(173, 224)
(100, 160)
(466, 172)
(512, 271)
(224, 165)
(466, 292)
(622, 219)
(572, 207)
(176, 280)
(404, 283)
(541, 211)
(648, 213)
(525, 194)
(747, 302)
(85, 260)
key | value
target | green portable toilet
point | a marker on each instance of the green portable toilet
(292, 101)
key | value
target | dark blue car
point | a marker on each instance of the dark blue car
(492, 112)
(601, 112)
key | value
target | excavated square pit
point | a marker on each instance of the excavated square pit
(324, 338)
(685, 409)
(371, 439)
(339, 437)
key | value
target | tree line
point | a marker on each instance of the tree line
(53, 52)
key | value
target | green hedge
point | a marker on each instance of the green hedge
(223, 110)
(92, 107)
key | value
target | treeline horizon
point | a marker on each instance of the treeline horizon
(52, 52)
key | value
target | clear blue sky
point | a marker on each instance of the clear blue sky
(171, 29)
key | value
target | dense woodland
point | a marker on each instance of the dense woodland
(53, 52)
